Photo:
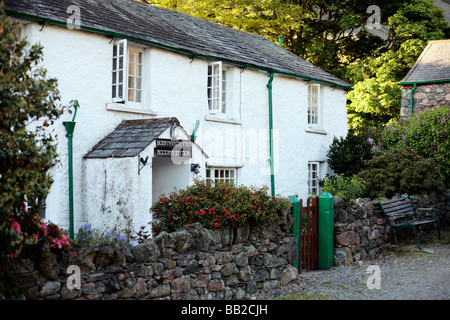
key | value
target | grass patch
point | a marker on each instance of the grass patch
(301, 296)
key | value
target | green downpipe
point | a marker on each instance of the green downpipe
(272, 171)
(70, 126)
(412, 99)
(197, 123)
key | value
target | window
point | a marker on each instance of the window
(217, 88)
(127, 73)
(313, 178)
(313, 104)
(221, 174)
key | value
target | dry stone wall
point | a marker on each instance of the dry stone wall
(192, 263)
(361, 230)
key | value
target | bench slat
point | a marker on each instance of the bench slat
(395, 205)
(400, 212)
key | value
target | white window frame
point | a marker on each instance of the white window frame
(121, 77)
(313, 178)
(313, 109)
(217, 88)
(226, 174)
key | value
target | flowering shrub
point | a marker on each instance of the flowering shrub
(427, 133)
(215, 206)
(28, 230)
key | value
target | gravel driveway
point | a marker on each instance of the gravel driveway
(405, 274)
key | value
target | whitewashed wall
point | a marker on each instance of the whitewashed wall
(176, 86)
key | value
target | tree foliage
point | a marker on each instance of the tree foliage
(28, 106)
(376, 98)
(333, 35)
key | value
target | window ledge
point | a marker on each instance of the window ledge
(212, 117)
(315, 130)
(124, 108)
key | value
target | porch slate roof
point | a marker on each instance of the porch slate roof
(173, 30)
(130, 138)
(433, 64)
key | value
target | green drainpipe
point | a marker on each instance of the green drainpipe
(197, 123)
(412, 99)
(272, 173)
(70, 126)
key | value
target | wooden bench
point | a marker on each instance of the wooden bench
(401, 214)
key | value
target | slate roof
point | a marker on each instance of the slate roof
(433, 64)
(130, 138)
(174, 31)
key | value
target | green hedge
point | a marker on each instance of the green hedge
(400, 171)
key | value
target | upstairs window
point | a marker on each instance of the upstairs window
(217, 88)
(313, 104)
(127, 74)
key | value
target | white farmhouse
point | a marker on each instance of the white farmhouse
(166, 98)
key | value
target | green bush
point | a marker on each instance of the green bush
(427, 133)
(400, 170)
(348, 155)
(215, 206)
(346, 188)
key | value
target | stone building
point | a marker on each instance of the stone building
(428, 81)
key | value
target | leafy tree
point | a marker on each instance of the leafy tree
(332, 35)
(376, 98)
(329, 34)
(28, 106)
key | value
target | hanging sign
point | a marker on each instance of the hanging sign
(173, 148)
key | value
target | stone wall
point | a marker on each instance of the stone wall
(425, 96)
(192, 263)
(361, 230)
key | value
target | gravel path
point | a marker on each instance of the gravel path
(406, 274)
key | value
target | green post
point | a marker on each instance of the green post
(326, 228)
(70, 126)
(296, 214)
